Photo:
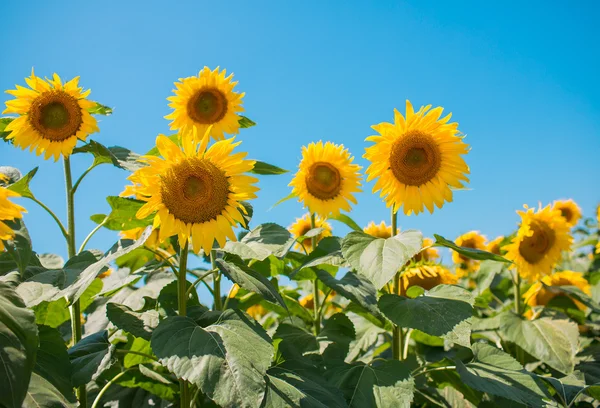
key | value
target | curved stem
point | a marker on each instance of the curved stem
(316, 306)
(108, 384)
(184, 397)
(324, 302)
(139, 353)
(228, 297)
(398, 335)
(217, 282)
(197, 281)
(406, 342)
(435, 369)
(91, 234)
(80, 179)
(49, 211)
(164, 258)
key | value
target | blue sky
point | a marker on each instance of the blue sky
(521, 78)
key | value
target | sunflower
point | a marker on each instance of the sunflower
(152, 242)
(537, 295)
(302, 226)
(52, 116)
(540, 240)
(471, 239)
(380, 231)
(9, 211)
(428, 253)
(326, 179)
(204, 101)
(417, 160)
(257, 311)
(569, 210)
(308, 302)
(426, 276)
(195, 192)
(494, 245)
(106, 273)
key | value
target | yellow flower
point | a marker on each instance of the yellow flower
(308, 302)
(494, 245)
(234, 291)
(106, 273)
(326, 179)
(471, 239)
(537, 295)
(540, 240)
(52, 116)
(195, 192)
(569, 210)
(152, 241)
(380, 231)
(9, 211)
(256, 311)
(302, 226)
(426, 276)
(206, 100)
(428, 253)
(417, 160)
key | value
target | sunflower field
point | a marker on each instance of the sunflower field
(296, 315)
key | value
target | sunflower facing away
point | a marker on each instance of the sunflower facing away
(206, 100)
(569, 210)
(426, 276)
(537, 295)
(326, 179)
(302, 226)
(540, 240)
(378, 230)
(471, 239)
(428, 253)
(417, 160)
(194, 191)
(494, 245)
(9, 211)
(52, 116)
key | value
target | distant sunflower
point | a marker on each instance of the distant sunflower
(302, 225)
(206, 100)
(569, 210)
(195, 192)
(326, 179)
(378, 230)
(308, 302)
(540, 240)
(257, 311)
(106, 273)
(9, 211)
(426, 276)
(471, 239)
(52, 116)
(494, 245)
(152, 242)
(428, 253)
(417, 160)
(537, 295)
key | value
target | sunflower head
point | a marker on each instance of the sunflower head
(540, 240)
(152, 242)
(429, 253)
(106, 273)
(302, 226)
(537, 295)
(9, 211)
(52, 116)
(569, 210)
(256, 311)
(417, 160)
(471, 239)
(494, 245)
(326, 179)
(380, 230)
(195, 192)
(426, 276)
(204, 101)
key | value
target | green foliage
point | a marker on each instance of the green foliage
(123, 214)
(471, 253)
(267, 169)
(138, 324)
(90, 357)
(119, 157)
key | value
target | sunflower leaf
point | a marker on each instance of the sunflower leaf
(119, 157)
(3, 133)
(99, 109)
(123, 215)
(471, 253)
(42, 393)
(343, 218)
(90, 357)
(22, 185)
(267, 169)
(138, 324)
(246, 122)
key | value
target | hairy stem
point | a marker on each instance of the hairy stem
(108, 384)
(184, 391)
(316, 307)
(397, 334)
(217, 281)
(91, 234)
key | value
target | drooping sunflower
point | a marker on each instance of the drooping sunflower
(417, 160)
(471, 239)
(569, 210)
(380, 230)
(537, 295)
(9, 211)
(206, 100)
(302, 225)
(195, 192)
(540, 240)
(326, 179)
(494, 245)
(426, 276)
(428, 253)
(52, 116)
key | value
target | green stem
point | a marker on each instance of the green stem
(164, 258)
(139, 353)
(518, 311)
(406, 343)
(197, 281)
(49, 211)
(75, 308)
(91, 234)
(322, 308)
(184, 397)
(108, 384)
(316, 307)
(80, 179)
(397, 334)
(435, 369)
(217, 282)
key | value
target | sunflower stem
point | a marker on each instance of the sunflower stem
(518, 311)
(217, 282)
(398, 334)
(75, 308)
(108, 384)
(91, 234)
(184, 397)
(80, 179)
(316, 307)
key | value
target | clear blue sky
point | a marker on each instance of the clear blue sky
(520, 77)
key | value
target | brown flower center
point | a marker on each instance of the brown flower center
(468, 243)
(323, 181)
(534, 248)
(55, 115)
(415, 158)
(207, 106)
(567, 214)
(426, 282)
(195, 191)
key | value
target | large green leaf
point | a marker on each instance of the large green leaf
(336, 336)
(471, 253)
(379, 259)
(444, 311)
(18, 248)
(52, 361)
(137, 345)
(138, 324)
(385, 385)
(227, 360)
(497, 373)
(263, 241)
(18, 347)
(117, 156)
(485, 275)
(168, 297)
(150, 381)
(551, 341)
(567, 387)
(22, 186)
(90, 357)
(267, 169)
(123, 214)
(99, 109)
(345, 219)
(43, 394)
(328, 252)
